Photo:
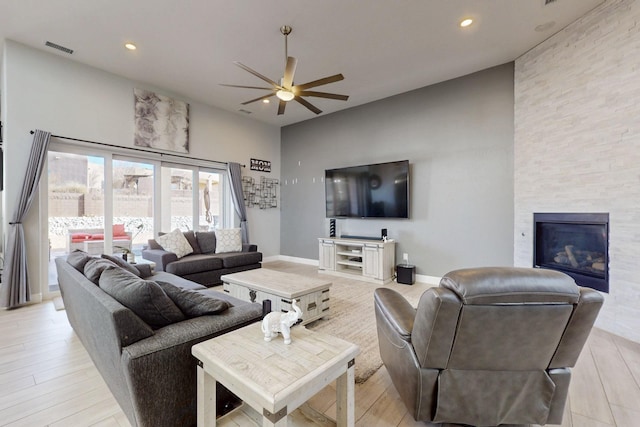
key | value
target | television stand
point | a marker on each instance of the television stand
(358, 258)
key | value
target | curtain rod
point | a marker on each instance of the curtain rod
(134, 149)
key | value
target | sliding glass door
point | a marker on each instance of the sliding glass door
(210, 197)
(103, 202)
(133, 204)
(75, 185)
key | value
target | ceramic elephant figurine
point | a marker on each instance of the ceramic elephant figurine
(281, 322)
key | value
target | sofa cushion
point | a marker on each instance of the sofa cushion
(175, 242)
(228, 240)
(194, 264)
(153, 244)
(95, 266)
(239, 259)
(180, 282)
(193, 303)
(191, 238)
(123, 264)
(144, 297)
(78, 259)
(207, 241)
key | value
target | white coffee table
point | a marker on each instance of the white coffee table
(274, 378)
(280, 288)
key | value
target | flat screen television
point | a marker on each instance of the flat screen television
(378, 190)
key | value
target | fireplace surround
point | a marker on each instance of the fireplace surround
(576, 244)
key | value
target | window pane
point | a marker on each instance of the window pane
(132, 205)
(76, 206)
(210, 200)
(177, 198)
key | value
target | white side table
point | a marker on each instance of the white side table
(273, 378)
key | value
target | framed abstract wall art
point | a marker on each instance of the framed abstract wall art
(161, 122)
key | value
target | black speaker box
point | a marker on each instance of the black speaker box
(406, 274)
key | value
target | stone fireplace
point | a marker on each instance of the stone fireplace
(576, 244)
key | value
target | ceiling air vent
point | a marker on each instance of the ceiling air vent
(242, 110)
(60, 48)
(546, 2)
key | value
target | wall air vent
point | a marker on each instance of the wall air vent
(60, 48)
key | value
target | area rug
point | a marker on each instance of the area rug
(353, 319)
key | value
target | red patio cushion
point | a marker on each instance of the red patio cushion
(118, 230)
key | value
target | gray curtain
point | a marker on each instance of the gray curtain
(235, 178)
(15, 282)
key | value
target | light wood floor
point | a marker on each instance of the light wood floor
(48, 379)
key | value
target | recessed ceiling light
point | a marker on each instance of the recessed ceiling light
(466, 22)
(130, 46)
(265, 101)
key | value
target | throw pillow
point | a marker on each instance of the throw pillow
(206, 241)
(228, 240)
(95, 266)
(191, 238)
(175, 242)
(192, 303)
(78, 259)
(144, 297)
(123, 264)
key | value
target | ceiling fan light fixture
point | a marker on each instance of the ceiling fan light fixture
(285, 95)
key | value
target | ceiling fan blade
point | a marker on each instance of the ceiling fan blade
(323, 95)
(281, 107)
(320, 82)
(257, 74)
(259, 98)
(308, 105)
(289, 71)
(247, 87)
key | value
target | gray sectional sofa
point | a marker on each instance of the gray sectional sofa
(203, 265)
(140, 337)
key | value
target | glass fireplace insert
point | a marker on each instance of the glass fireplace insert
(576, 244)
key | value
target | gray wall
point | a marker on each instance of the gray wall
(458, 138)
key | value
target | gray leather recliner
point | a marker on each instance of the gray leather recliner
(489, 346)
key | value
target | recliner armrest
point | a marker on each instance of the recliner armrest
(398, 312)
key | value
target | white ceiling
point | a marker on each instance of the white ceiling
(382, 47)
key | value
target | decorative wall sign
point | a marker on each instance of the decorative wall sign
(161, 122)
(260, 165)
(264, 194)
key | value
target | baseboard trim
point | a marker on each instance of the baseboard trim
(291, 259)
(430, 280)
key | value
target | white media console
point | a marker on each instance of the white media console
(370, 260)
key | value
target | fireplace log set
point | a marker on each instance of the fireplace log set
(577, 258)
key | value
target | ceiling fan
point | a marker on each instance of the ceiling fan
(286, 90)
